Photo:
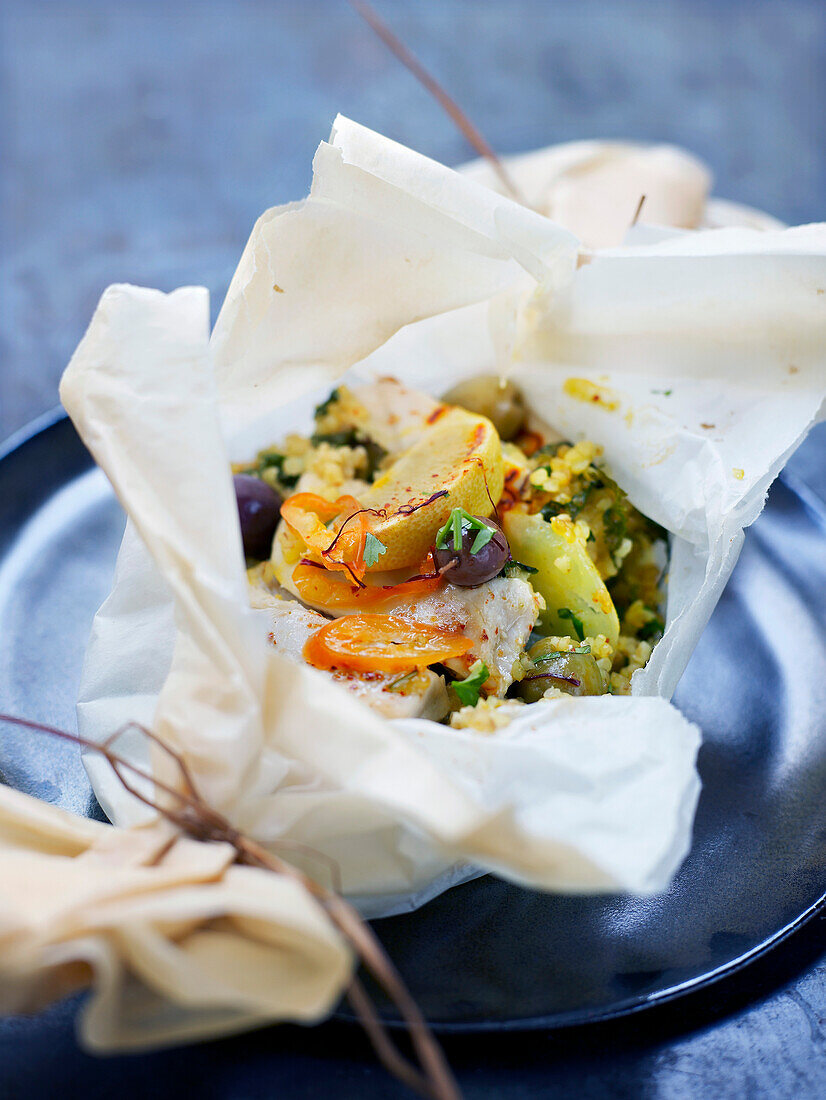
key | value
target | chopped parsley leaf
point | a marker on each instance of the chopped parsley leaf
(348, 438)
(468, 689)
(574, 505)
(373, 549)
(562, 653)
(269, 466)
(324, 407)
(512, 567)
(652, 627)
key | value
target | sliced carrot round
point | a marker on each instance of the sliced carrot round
(381, 643)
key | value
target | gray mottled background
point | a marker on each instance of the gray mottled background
(141, 139)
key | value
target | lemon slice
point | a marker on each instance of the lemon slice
(458, 452)
(566, 577)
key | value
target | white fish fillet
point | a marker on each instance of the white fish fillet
(290, 625)
(396, 416)
(497, 616)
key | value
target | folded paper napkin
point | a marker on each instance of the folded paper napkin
(175, 941)
(706, 352)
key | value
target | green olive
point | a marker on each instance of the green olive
(573, 673)
(491, 396)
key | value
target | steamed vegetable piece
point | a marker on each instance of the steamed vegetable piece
(491, 396)
(475, 548)
(258, 509)
(575, 673)
(457, 462)
(319, 588)
(565, 576)
(381, 643)
(338, 547)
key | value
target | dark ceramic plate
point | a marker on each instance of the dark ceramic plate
(488, 955)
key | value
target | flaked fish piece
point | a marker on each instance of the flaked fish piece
(397, 416)
(497, 617)
(420, 695)
(290, 624)
(385, 410)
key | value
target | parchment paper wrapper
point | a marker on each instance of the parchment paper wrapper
(175, 941)
(598, 188)
(581, 794)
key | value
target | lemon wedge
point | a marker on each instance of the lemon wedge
(459, 452)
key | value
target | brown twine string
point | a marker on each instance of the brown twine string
(472, 134)
(432, 1077)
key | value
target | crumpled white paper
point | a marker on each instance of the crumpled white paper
(585, 794)
(175, 941)
(594, 188)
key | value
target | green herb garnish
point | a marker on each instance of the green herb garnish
(615, 520)
(513, 566)
(373, 549)
(456, 526)
(482, 539)
(574, 505)
(400, 681)
(324, 407)
(649, 629)
(560, 653)
(459, 521)
(269, 466)
(468, 689)
(576, 622)
(347, 438)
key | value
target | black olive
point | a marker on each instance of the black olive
(259, 508)
(472, 569)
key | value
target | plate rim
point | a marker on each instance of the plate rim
(38, 426)
(631, 1006)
